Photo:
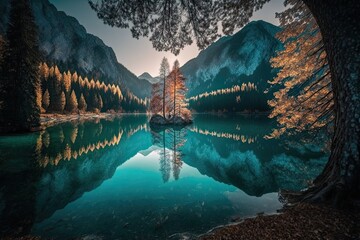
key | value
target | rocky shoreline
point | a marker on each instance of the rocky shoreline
(304, 221)
(47, 120)
(158, 120)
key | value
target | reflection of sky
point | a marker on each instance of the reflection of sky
(138, 55)
(136, 195)
(151, 163)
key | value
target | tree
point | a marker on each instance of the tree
(72, 103)
(177, 90)
(2, 49)
(62, 102)
(304, 101)
(164, 72)
(82, 103)
(156, 99)
(46, 100)
(55, 89)
(20, 71)
(339, 27)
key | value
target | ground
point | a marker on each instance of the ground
(304, 221)
(47, 120)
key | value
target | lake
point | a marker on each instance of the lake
(121, 179)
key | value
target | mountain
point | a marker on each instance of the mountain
(65, 42)
(146, 76)
(234, 60)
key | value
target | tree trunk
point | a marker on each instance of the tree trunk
(175, 78)
(339, 181)
(164, 91)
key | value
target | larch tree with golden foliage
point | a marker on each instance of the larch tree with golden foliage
(46, 100)
(156, 102)
(72, 103)
(177, 91)
(82, 103)
(305, 99)
(164, 72)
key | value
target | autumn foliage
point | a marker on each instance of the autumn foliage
(304, 101)
(69, 92)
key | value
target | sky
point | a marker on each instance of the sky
(138, 55)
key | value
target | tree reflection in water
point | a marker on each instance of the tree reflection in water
(169, 140)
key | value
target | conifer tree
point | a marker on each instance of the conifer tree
(2, 48)
(62, 102)
(177, 90)
(46, 100)
(100, 103)
(82, 103)
(20, 76)
(156, 99)
(164, 72)
(72, 103)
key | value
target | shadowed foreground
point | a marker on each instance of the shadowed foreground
(304, 221)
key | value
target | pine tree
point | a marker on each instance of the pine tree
(82, 103)
(156, 99)
(55, 91)
(72, 103)
(20, 76)
(2, 49)
(177, 90)
(100, 103)
(62, 102)
(46, 100)
(164, 72)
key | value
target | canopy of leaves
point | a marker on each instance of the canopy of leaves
(173, 24)
(304, 101)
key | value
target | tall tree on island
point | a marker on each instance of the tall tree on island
(156, 99)
(164, 72)
(177, 89)
(340, 30)
(20, 71)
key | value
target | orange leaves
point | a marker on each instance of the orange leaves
(304, 101)
(245, 87)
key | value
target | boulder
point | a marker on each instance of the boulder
(179, 121)
(158, 120)
(161, 121)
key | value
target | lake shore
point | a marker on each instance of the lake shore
(51, 119)
(305, 221)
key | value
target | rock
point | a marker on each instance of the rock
(179, 121)
(158, 120)
(161, 121)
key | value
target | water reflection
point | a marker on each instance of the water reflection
(169, 140)
(135, 181)
(251, 163)
(44, 171)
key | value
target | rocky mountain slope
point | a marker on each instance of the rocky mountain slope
(233, 60)
(146, 76)
(64, 41)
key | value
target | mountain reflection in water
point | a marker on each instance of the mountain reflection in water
(119, 178)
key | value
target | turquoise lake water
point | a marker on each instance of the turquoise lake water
(121, 179)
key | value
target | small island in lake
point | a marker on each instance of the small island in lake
(168, 103)
(157, 119)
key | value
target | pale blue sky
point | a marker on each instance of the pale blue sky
(138, 55)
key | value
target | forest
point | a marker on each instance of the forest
(69, 93)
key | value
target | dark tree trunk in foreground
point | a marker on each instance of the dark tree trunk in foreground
(340, 29)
